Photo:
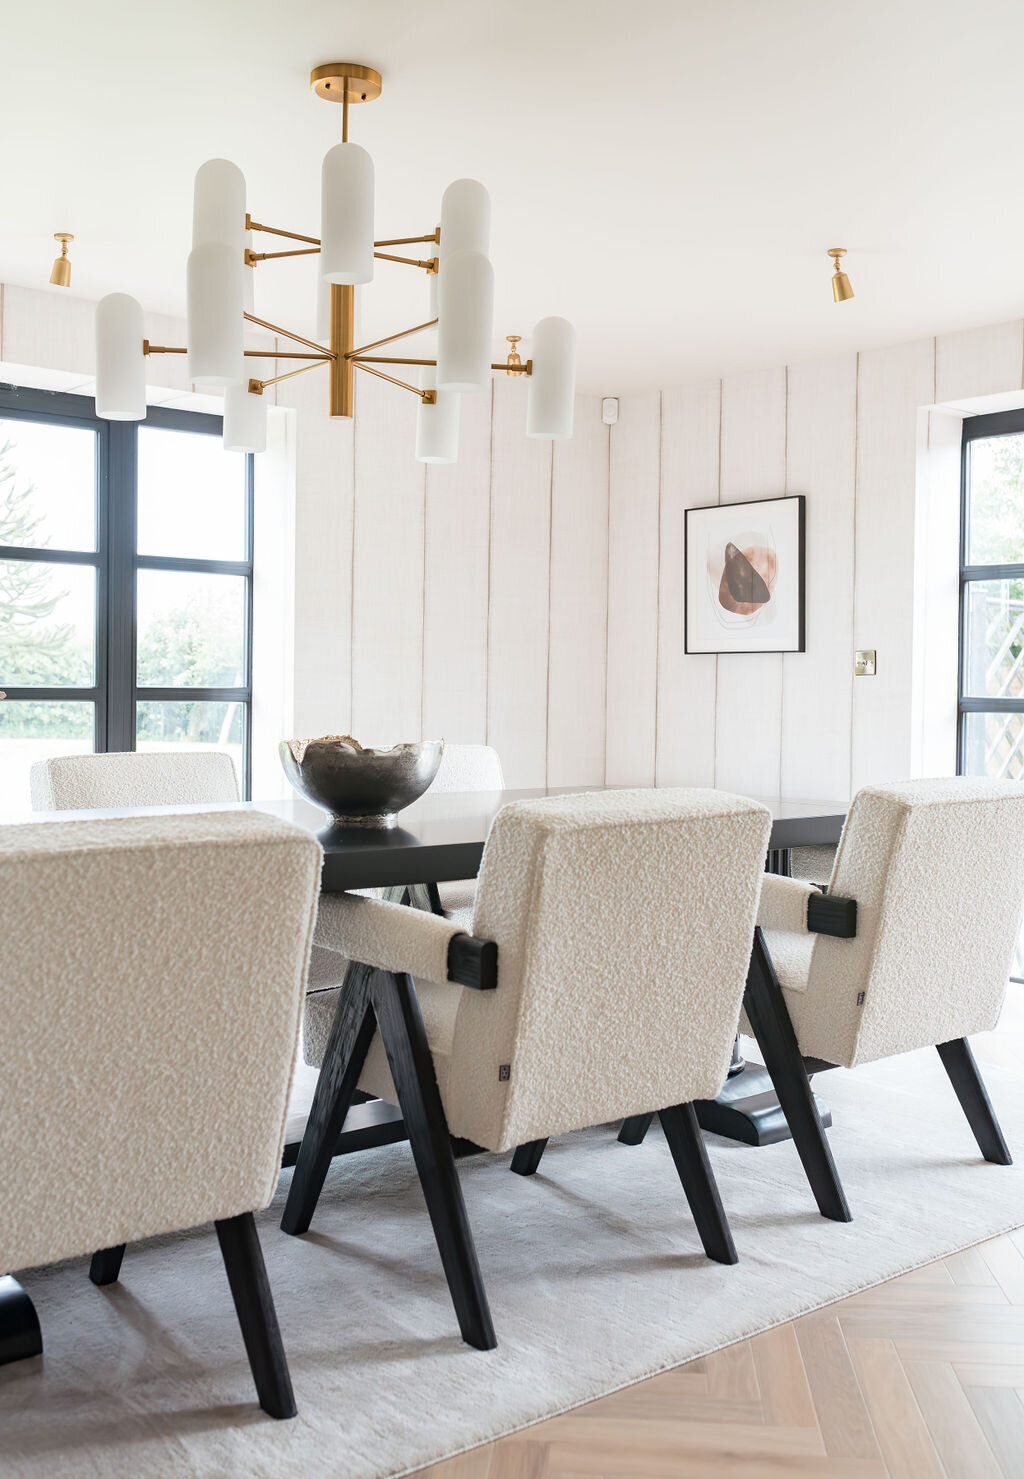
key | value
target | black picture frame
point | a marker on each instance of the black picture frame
(714, 511)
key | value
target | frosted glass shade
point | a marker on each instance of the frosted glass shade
(549, 400)
(120, 362)
(215, 325)
(218, 204)
(245, 420)
(465, 323)
(465, 218)
(346, 215)
(437, 425)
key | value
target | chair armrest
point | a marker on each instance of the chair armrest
(392, 937)
(784, 903)
(792, 905)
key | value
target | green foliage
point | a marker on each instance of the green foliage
(34, 649)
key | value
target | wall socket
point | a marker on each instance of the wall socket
(864, 665)
(610, 410)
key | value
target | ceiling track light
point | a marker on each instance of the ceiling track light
(219, 282)
(60, 273)
(841, 289)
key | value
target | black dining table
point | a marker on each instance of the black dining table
(440, 838)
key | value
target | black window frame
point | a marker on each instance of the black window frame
(115, 691)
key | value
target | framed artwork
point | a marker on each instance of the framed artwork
(745, 577)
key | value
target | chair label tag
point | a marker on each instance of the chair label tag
(504, 1072)
(860, 998)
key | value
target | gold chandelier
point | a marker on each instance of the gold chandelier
(221, 267)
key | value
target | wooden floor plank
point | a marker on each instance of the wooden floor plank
(731, 1373)
(906, 1445)
(843, 1418)
(1001, 1415)
(969, 1268)
(785, 1394)
(954, 1428)
(1006, 1262)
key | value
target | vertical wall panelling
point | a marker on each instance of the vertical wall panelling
(750, 684)
(690, 454)
(50, 328)
(579, 601)
(387, 567)
(936, 599)
(518, 621)
(979, 362)
(894, 384)
(818, 684)
(323, 560)
(633, 532)
(455, 572)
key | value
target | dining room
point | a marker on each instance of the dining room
(511, 742)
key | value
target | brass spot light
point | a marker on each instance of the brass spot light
(61, 274)
(841, 289)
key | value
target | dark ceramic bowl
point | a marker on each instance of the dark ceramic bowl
(360, 788)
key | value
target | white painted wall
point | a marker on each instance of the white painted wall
(532, 595)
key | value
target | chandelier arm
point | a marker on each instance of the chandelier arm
(251, 225)
(434, 236)
(288, 334)
(276, 379)
(383, 359)
(402, 334)
(428, 266)
(426, 396)
(251, 257)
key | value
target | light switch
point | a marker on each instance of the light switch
(864, 663)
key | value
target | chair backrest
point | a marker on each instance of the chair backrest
(469, 768)
(174, 778)
(937, 869)
(152, 976)
(624, 922)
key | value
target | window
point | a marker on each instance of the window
(125, 585)
(991, 733)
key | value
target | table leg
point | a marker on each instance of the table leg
(20, 1336)
(747, 1109)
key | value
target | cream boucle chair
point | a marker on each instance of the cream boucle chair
(606, 1001)
(152, 976)
(936, 870)
(169, 778)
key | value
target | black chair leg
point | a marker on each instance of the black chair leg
(412, 1068)
(351, 1034)
(254, 1304)
(958, 1061)
(769, 1019)
(106, 1265)
(635, 1128)
(526, 1158)
(690, 1155)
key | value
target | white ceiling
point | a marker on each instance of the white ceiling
(666, 173)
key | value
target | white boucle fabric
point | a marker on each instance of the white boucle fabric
(937, 870)
(469, 768)
(151, 976)
(466, 768)
(623, 921)
(783, 903)
(392, 937)
(87, 782)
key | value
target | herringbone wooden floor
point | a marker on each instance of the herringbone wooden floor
(920, 1378)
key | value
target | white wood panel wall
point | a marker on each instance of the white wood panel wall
(749, 709)
(517, 664)
(456, 575)
(577, 645)
(633, 532)
(817, 693)
(532, 595)
(691, 420)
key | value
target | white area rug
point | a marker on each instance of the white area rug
(594, 1271)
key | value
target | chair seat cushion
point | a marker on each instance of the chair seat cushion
(439, 1003)
(458, 896)
(791, 956)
